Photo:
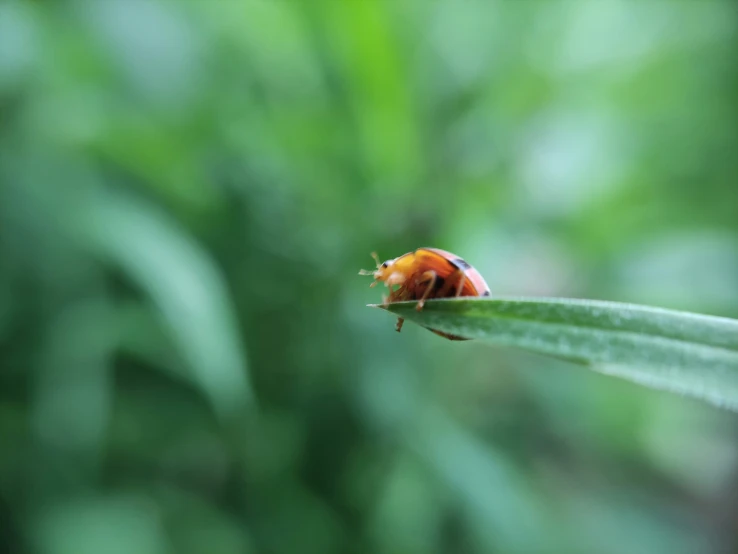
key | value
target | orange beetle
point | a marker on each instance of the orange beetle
(427, 273)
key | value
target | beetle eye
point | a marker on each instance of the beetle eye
(384, 264)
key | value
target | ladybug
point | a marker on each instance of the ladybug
(427, 273)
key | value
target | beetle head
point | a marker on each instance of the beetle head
(384, 272)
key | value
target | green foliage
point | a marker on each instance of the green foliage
(187, 190)
(678, 351)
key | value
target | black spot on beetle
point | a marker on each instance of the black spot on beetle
(461, 264)
(486, 293)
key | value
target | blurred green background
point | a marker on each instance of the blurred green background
(188, 190)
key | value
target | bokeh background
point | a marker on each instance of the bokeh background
(188, 190)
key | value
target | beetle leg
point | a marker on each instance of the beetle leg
(431, 276)
(461, 284)
(398, 327)
(457, 276)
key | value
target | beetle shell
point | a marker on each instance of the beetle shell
(429, 273)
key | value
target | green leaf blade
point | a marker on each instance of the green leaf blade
(691, 354)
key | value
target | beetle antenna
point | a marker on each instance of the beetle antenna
(376, 258)
(366, 272)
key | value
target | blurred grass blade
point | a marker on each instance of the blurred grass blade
(185, 286)
(692, 354)
(502, 504)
